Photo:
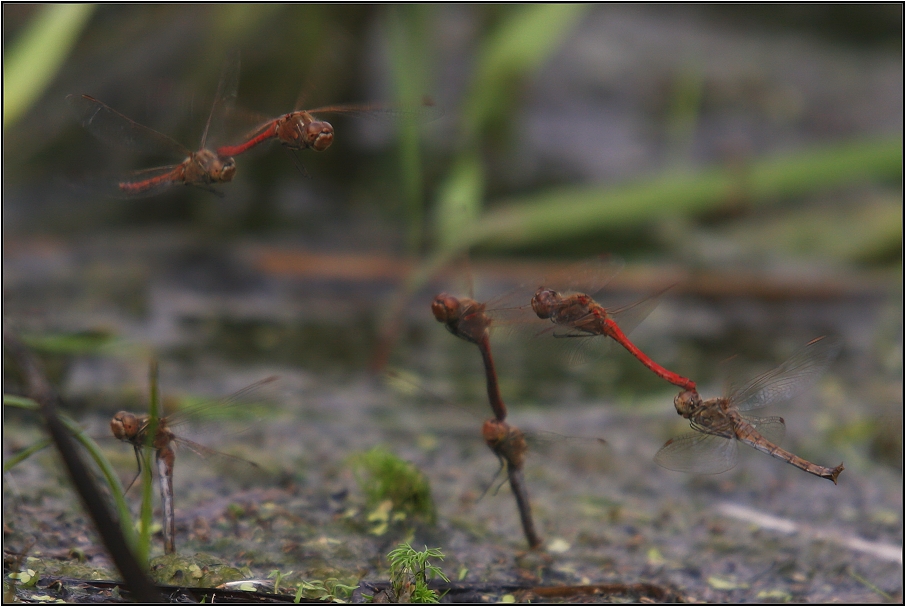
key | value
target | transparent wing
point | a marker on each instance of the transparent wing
(772, 428)
(589, 276)
(225, 97)
(423, 111)
(200, 410)
(539, 440)
(117, 130)
(205, 452)
(794, 376)
(630, 316)
(109, 184)
(698, 453)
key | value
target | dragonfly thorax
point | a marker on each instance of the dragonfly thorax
(299, 131)
(507, 442)
(212, 168)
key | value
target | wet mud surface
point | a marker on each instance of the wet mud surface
(764, 531)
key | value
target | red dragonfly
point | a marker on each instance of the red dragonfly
(509, 444)
(133, 429)
(301, 130)
(576, 314)
(201, 169)
(719, 424)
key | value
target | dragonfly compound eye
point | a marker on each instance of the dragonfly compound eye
(227, 170)
(318, 135)
(544, 301)
(124, 425)
(686, 401)
(445, 308)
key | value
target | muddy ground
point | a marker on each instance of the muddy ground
(764, 531)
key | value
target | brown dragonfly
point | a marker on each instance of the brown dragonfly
(466, 318)
(201, 169)
(508, 443)
(720, 425)
(133, 429)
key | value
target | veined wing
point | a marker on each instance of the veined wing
(117, 130)
(225, 97)
(424, 111)
(205, 452)
(772, 428)
(698, 453)
(797, 374)
(198, 411)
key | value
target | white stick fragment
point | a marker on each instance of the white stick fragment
(887, 552)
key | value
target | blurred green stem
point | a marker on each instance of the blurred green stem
(36, 56)
(577, 210)
(113, 481)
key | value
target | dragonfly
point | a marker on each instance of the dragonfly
(133, 429)
(201, 169)
(719, 424)
(466, 318)
(575, 313)
(302, 130)
(508, 443)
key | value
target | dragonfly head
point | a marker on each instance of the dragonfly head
(124, 425)
(318, 135)
(446, 308)
(686, 402)
(215, 168)
(505, 441)
(463, 317)
(223, 170)
(545, 302)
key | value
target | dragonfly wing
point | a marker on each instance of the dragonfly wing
(110, 184)
(205, 452)
(698, 453)
(423, 111)
(631, 316)
(794, 376)
(225, 97)
(230, 405)
(772, 428)
(117, 130)
(539, 439)
(588, 277)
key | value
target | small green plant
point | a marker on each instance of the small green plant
(394, 488)
(410, 572)
(330, 589)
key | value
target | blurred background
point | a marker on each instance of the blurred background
(751, 156)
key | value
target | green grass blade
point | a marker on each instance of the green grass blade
(110, 476)
(38, 53)
(519, 46)
(579, 210)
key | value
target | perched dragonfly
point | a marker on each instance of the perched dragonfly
(576, 314)
(719, 424)
(201, 169)
(509, 444)
(302, 130)
(133, 429)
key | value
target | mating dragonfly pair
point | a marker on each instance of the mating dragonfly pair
(719, 423)
(296, 130)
